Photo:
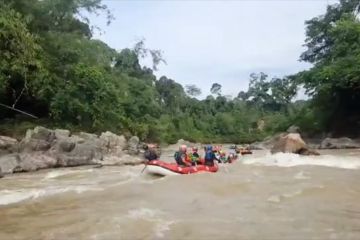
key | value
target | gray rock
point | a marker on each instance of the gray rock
(61, 133)
(88, 136)
(43, 134)
(338, 143)
(112, 143)
(35, 161)
(7, 145)
(293, 129)
(7, 142)
(82, 154)
(292, 143)
(133, 145)
(66, 145)
(39, 139)
(10, 163)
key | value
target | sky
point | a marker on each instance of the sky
(211, 41)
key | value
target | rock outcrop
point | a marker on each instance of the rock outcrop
(7, 145)
(133, 145)
(339, 143)
(292, 143)
(293, 129)
(268, 142)
(44, 148)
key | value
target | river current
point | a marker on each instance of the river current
(261, 196)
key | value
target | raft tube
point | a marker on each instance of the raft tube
(162, 168)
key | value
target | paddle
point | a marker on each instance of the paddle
(144, 167)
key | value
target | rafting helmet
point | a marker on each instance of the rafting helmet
(209, 148)
(183, 148)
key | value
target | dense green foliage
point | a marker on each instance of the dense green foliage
(51, 67)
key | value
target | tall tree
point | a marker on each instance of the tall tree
(216, 89)
(192, 90)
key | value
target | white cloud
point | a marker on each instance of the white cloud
(216, 41)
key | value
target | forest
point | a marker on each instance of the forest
(53, 73)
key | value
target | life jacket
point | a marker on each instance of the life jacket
(209, 155)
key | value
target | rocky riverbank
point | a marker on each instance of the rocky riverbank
(44, 148)
(306, 142)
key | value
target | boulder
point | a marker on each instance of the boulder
(1, 174)
(133, 145)
(39, 139)
(112, 143)
(82, 154)
(10, 163)
(42, 133)
(338, 143)
(88, 136)
(61, 133)
(293, 129)
(7, 145)
(35, 161)
(66, 145)
(292, 143)
(268, 142)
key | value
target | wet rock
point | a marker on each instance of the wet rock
(35, 161)
(88, 136)
(39, 139)
(338, 143)
(82, 154)
(293, 129)
(292, 143)
(133, 145)
(42, 133)
(268, 142)
(61, 133)
(66, 145)
(7, 145)
(10, 163)
(112, 143)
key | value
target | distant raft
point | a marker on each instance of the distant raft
(158, 167)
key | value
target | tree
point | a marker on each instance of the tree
(142, 52)
(333, 46)
(216, 89)
(192, 90)
(19, 62)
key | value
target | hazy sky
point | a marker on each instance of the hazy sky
(215, 41)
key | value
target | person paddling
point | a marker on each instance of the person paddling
(181, 157)
(195, 157)
(150, 152)
(209, 156)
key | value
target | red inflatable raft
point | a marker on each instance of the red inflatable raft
(159, 167)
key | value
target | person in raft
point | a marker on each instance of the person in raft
(181, 156)
(195, 157)
(150, 152)
(209, 156)
(222, 156)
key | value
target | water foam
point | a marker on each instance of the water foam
(19, 195)
(292, 160)
(152, 215)
(59, 173)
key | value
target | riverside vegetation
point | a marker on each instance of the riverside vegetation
(52, 69)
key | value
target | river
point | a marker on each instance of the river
(261, 196)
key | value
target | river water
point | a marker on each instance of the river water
(261, 196)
